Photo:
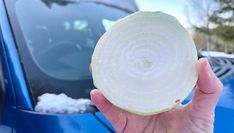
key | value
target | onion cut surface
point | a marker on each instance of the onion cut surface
(145, 63)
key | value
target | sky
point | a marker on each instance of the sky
(172, 7)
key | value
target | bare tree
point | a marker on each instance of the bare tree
(198, 13)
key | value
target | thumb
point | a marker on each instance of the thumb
(115, 115)
(208, 89)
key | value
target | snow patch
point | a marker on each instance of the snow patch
(61, 104)
(216, 54)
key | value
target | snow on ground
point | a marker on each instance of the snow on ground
(216, 54)
(61, 104)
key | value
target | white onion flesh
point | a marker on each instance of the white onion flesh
(145, 63)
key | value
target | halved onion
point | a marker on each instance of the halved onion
(146, 63)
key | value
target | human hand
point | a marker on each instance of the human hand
(195, 117)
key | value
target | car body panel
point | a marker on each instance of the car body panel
(16, 71)
(102, 118)
(227, 96)
(224, 115)
(60, 123)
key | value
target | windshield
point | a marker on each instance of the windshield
(56, 41)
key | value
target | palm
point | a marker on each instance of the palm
(181, 120)
(196, 117)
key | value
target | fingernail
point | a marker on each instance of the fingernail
(95, 96)
(92, 94)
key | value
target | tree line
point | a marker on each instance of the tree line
(213, 24)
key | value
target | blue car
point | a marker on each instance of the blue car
(46, 47)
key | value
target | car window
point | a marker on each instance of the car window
(61, 39)
(56, 40)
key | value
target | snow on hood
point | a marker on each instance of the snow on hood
(216, 54)
(61, 104)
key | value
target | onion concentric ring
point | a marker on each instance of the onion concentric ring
(146, 63)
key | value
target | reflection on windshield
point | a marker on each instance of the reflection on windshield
(58, 43)
(62, 39)
(108, 23)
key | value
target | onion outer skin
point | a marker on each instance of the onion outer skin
(103, 41)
